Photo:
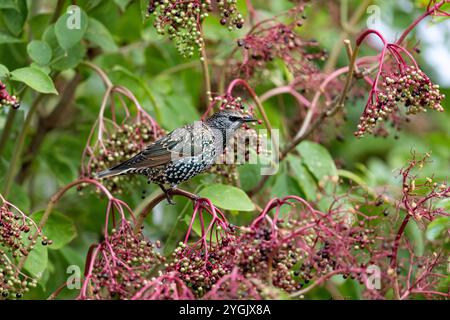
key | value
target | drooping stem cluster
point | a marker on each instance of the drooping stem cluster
(182, 20)
(394, 84)
(15, 243)
(118, 137)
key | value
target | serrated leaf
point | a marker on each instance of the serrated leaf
(58, 228)
(98, 34)
(70, 28)
(35, 79)
(39, 51)
(227, 197)
(317, 159)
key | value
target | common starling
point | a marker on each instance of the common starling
(184, 152)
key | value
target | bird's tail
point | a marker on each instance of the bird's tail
(108, 173)
(121, 168)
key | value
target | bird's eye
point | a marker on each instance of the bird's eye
(234, 118)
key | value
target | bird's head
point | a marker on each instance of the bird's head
(228, 119)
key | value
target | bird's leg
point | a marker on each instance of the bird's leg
(168, 194)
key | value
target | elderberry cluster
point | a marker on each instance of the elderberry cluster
(262, 256)
(14, 244)
(12, 283)
(200, 269)
(125, 142)
(181, 20)
(123, 264)
(6, 99)
(411, 88)
(14, 233)
(235, 286)
(167, 286)
(279, 42)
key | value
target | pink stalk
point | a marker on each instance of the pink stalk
(430, 11)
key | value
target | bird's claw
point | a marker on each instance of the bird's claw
(169, 197)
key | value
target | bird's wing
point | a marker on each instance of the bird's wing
(180, 143)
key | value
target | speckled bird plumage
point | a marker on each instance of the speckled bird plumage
(184, 152)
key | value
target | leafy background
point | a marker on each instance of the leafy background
(39, 58)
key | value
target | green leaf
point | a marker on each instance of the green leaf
(8, 4)
(35, 79)
(317, 159)
(70, 28)
(69, 59)
(37, 260)
(50, 37)
(39, 51)
(285, 185)
(6, 38)
(143, 5)
(437, 227)
(63, 59)
(247, 174)
(4, 72)
(227, 197)
(415, 235)
(73, 256)
(18, 195)
(171, 117)
(62, 167)
(38, 23)
(303, 177)
(122, 4)
(44, 69)
(15, 18)
(98, 34)
(444, 204)
(58, 228)
(197, 227)
(89, 5)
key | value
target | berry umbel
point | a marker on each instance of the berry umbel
(120, 134)
(6, 99)
(410, 88)
(397, 83)
(181, 20)
(16, 242)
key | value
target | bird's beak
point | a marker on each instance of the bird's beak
(249, 119)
